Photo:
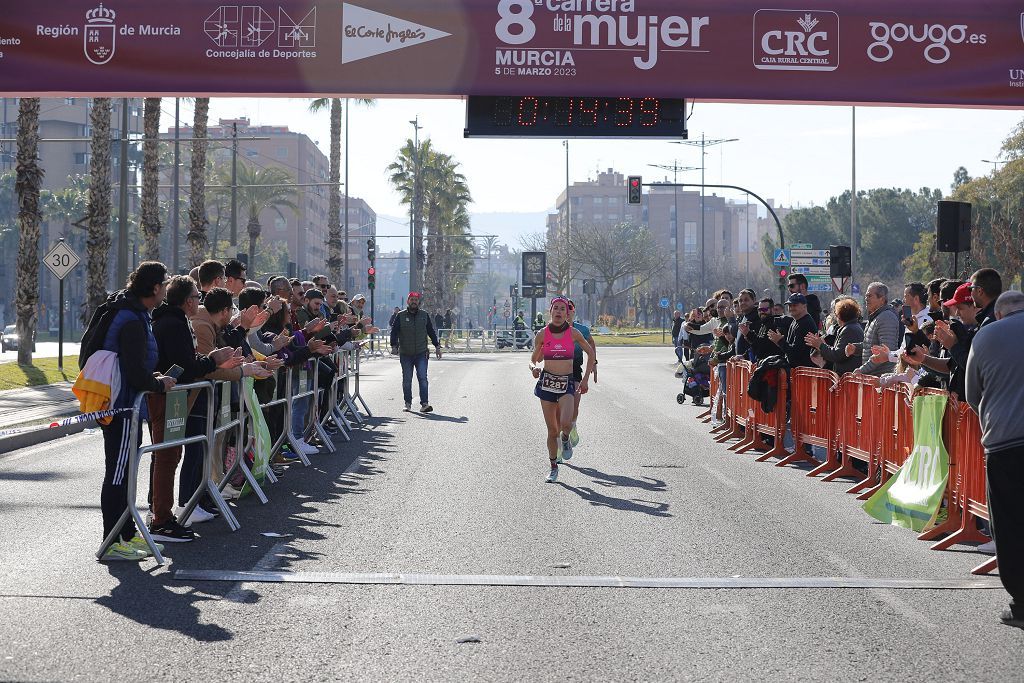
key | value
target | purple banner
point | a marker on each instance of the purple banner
(931, 52)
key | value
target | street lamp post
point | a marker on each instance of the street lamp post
(995, 164)
(703, 143)
(568, 224)
(675, 168)
(414, 254)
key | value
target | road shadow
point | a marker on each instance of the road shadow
(153, 597)
(436, 417)
(612, 480)
(646, 507)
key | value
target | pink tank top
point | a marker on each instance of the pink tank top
(558, 346)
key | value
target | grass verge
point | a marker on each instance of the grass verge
(42, 371)
(646, 339)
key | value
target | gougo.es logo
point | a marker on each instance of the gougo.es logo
(937, 36)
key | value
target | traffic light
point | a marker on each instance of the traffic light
(371, 250)
(513, 291)
(371, 277)
(783, 273)
(634, 189)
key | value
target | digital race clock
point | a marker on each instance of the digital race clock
(576, 117)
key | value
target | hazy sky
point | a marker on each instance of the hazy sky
(795, 154)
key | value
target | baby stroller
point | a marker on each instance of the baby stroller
(696, 380)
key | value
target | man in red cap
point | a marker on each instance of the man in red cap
(955, 336)
(409, 340)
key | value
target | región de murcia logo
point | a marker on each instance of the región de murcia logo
(99, 35)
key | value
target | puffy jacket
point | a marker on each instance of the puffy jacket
(177, 345)
(883, 328)
(130, 336)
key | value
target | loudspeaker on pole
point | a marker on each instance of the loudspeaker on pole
(953, 227)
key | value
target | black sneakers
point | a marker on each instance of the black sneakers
(171, 532)
(1010, 618)
(426, 408)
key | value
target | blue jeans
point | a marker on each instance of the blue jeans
(419, 361)
(300, 406)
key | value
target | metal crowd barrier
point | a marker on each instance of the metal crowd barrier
(344, 399)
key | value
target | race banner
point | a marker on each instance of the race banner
(911, 499)
(847, 51)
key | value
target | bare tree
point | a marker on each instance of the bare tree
(623, 256)
(560, 266)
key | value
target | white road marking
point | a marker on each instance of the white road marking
(712, 582)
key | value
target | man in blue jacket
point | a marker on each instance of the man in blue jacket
(130, 336)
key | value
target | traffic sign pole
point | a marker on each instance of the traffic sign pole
(60, 328)
(61, 260)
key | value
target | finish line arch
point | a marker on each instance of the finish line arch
(847, 51)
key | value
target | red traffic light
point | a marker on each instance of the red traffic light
(371, 271)
(635, 182)
(783, 272)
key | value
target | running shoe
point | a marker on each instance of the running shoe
(553, 476)
(171, 532)
(566, 449)
(139, 543)
(122, 552)
(574, 437)
(408, 406)
(426, 408)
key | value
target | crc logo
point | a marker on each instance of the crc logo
(796, 40)
(937, 37)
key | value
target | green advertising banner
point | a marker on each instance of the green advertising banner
(175, 415)
(261, 441)
(911, 499)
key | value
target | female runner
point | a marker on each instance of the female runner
(556, 388)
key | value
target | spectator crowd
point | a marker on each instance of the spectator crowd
(950, 334)
(213, 324)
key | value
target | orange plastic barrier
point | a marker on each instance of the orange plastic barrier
(763, 424)
(896, 433)
(738, 373)
(811, 416)
(973, 496)
(859, 413)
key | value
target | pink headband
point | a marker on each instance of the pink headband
(556, 300)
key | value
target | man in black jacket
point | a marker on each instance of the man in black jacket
(986, 286)
(755, 332)
(794, 344)
(176, 345)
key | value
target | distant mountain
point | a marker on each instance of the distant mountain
(507, 226)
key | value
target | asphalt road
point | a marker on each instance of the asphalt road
(461, 492)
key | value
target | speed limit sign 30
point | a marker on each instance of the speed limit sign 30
(61, 259)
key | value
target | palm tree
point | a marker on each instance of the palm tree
(150, 180)
(334, 245)
(97, 246)
(445, 191)
(259, 190)
(406, 176)
(27, 186)
(197, 199)
(69, 205)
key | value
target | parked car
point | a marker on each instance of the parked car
(9, 339)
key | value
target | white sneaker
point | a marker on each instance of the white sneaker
(306, 448)
(987, 548)
(198, 516)
(230, 492)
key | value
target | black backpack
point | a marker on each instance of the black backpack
(96, 332)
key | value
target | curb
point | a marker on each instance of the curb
(42, 435)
